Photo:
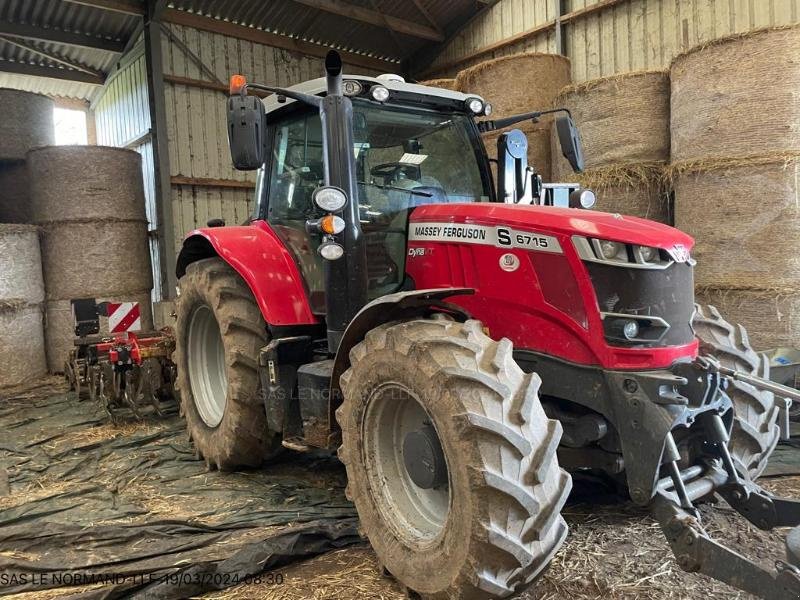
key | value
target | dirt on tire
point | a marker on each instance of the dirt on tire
(755, 427)
(241, 438)
(506, 489)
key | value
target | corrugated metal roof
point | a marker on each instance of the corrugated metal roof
(291, 18)
(296, 19)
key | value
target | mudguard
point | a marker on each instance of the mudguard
(399, 306)
(263, 261)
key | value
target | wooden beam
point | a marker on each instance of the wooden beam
(51, 72)
(206, 182)
(44, 34)
(428, 16)
(258, 36)
(373, 17)
(524, 35)
(126, 7)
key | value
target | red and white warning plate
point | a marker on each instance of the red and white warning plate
(124, 316)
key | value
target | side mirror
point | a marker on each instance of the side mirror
(247, 123)
(570, 141)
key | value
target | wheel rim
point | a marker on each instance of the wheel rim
(415, 514)
(206, 362)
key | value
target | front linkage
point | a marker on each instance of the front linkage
(673, 507)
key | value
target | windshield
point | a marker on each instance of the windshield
(426, 153)
(404, 158)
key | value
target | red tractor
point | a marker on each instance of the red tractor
(464, 348)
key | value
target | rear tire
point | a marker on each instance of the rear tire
(499, 523)
(220, 331)
(755, 426)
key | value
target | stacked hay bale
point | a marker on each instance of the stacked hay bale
(448, 84)
(624, 126)
(22, 356)
(26, 121)
(736, 172)
(515, 84)
(89, 202)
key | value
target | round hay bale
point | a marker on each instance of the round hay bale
(22, 355)
(60, 328)
(771, 317)
(517, 83)
(538, 147)
(14, 193)
(447, 84)
(737, 96)
(88, 259)
(621, 119)
(745, 218)
(71, 183)
(20, 265)
(636, 190)
(27, 122)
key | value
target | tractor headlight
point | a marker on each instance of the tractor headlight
(487, 109)
(475, 105)
(379, 93)
(621, 254)
(330, 250)
(648, 254)
(612, 250)
(351, 88)
(331, 199)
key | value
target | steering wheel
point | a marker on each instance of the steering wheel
(390, 171)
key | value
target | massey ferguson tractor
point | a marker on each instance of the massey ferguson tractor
(465, 346)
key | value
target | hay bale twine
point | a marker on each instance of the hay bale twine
(745, 218)
(447, 84)
(26, 122)
(538, 147)
(517, 83)
(771, 317)
(622, 119)
(88, 259)
(14, 194)
(60, 329)
(86, 182)
(737, 96)
(22, 355)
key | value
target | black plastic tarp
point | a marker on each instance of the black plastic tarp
(83, 502)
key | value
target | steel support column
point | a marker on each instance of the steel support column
(158, 125)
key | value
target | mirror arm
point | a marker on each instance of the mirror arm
(491, 125)
(299, 96)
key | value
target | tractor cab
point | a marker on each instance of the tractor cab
(423, 148)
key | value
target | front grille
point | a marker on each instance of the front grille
(665, 293)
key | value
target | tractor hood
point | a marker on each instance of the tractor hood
(564, 221)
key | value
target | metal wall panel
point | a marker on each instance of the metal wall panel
(122, 116)
(648, 34)
(632, 35)
(501, 21)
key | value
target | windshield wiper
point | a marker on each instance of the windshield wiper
(391, 187)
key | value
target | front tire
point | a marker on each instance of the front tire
(755, 424)
(493, 522)
(220, 331)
